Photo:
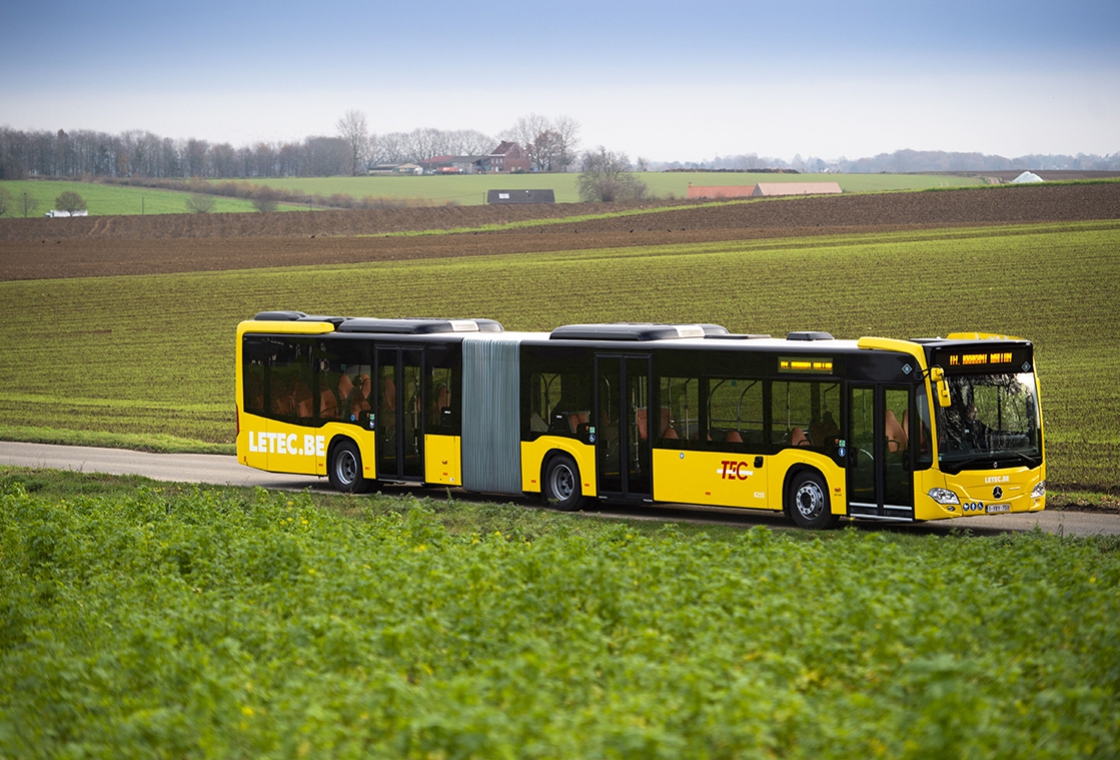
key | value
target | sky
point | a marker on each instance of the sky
(665, 81)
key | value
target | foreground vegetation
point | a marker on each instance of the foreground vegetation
(142, 621)
(153, 355)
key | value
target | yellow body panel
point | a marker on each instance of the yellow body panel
(533, 454)
(709, 478)
(975, 489)
(277, 446)
(443, 460)
(732, 480)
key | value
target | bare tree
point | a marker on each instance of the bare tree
(606, 176)
(195, 155)
(200, 203)
(69, 201)
(550, 143)
(27, 204)
(527, 133)
(6, 201)
(353, 129)
(265, 199)
(567, 132)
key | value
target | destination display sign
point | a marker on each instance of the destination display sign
(983, 359)
(811, 364)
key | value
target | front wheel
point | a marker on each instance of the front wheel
(345, 469)
(808, 503)
(562, 486)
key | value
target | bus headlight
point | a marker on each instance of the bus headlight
(1039, 490)
(943, 496)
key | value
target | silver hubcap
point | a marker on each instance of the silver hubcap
(346, 467)
(563, 483)
(809, 500)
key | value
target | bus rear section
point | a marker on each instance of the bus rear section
(359, 401)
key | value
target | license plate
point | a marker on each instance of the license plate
(994, 508)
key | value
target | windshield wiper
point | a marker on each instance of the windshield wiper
(1025, 458)
(989, 458)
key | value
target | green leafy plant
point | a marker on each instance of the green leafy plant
(190, 622)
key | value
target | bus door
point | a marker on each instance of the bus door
(880, 461)
(399, 421)
(621, 435)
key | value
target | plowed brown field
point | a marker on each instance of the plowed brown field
(97, 246)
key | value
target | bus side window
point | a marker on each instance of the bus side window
(255, 361)
(679, 417)
(802, 414)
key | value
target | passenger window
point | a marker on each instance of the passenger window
(735, 412)
(679, 415)
(254, 360)
(290, 382)
(804, 414)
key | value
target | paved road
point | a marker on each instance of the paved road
(224, 470)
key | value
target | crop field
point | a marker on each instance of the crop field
(153, 354)
(469, 190)
(143, 621)
(113, 200)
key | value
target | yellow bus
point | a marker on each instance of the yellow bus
(815, 427)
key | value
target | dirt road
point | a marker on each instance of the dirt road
(224, 470)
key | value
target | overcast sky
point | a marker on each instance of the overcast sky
(679, 80)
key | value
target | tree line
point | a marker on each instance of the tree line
(900, 162)
(550, 143)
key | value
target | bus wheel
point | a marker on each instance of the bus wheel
(345, 470)
(562, 483)
(808, 503)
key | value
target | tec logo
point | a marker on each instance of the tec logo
(732, 470)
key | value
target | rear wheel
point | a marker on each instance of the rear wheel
(562, 487)
(808, 503)
(345, 469)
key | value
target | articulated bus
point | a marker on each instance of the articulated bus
(815, 427)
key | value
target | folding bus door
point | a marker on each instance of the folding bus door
(880, 460)
(400, 422)
(622, 442)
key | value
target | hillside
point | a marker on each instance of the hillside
(95, 246)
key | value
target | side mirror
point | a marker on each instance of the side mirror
(937, 377)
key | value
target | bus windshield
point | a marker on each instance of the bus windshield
(993, 421)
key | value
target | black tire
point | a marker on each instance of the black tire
(345, 469)
(562, 485)
(808, 504)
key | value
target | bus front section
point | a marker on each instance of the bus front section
(987, 429)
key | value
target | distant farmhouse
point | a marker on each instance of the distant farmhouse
(507, 158)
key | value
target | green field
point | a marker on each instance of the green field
(114, 200)
(153, 355)
(469, 190)
(142, 621)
